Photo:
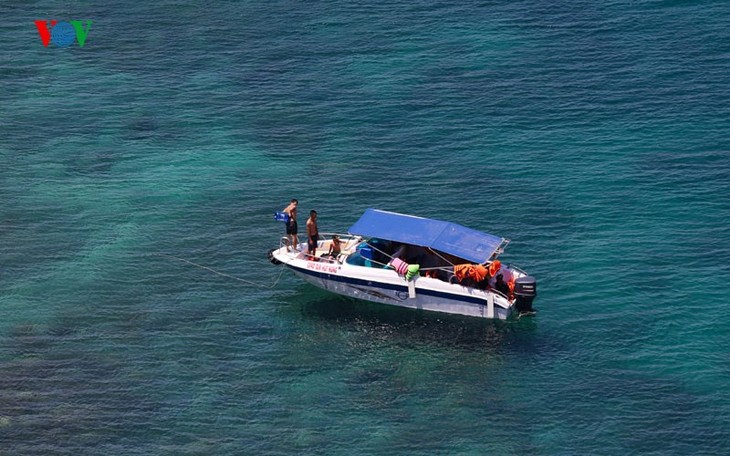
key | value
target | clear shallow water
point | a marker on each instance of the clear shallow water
(596, 137)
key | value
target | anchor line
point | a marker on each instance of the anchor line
(223, 273)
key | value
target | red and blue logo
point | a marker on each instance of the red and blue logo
(63, 33)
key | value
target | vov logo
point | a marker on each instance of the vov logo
(63, 34)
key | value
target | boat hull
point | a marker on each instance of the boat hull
(385, 286)
(399, 297)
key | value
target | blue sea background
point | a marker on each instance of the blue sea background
(594, 135)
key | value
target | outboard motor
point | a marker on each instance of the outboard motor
(525, 291)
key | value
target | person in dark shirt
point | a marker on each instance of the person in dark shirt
(501, 285)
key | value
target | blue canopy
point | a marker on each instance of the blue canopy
(446, 237)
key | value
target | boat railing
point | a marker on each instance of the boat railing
(515, 268)
(351, 242)
(497, 292)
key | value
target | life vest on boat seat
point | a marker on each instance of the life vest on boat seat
(400, 266)
(412, 271)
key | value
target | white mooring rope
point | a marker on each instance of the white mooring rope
(224, 274)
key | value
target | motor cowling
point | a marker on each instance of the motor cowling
(525, 292)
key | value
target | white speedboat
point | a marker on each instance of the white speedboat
(415, 262)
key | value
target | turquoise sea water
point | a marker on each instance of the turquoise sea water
(594, 135)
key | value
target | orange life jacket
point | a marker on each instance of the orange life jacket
(473, 271)
(494, 267)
